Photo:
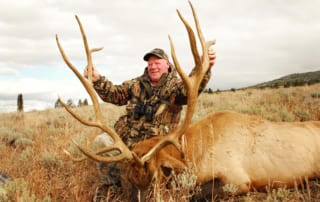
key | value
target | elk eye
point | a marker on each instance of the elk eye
(145, 166)
(166, 171)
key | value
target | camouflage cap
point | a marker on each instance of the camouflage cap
(156, 52)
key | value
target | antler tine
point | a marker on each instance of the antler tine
(100, 151)
(192, 38)
(106, 159)
(87, 49)
(84, 82)
(192, 82)
(99, 123)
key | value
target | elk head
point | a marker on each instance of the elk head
(143, 158)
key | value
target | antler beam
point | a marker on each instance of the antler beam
(119, 145)
(192, 82)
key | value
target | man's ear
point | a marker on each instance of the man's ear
(168, 64)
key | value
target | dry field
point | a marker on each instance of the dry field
(32, 144)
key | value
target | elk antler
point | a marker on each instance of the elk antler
(119, 145)
(191, 83)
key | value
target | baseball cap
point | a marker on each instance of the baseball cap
(156, 52)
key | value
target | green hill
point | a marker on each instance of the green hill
(297, 79)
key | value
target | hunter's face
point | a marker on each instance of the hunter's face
(157, 67)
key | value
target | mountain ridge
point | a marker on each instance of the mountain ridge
(295, 79)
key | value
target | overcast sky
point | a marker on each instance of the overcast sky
(256, 41)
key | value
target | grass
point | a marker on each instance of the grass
(32, 144)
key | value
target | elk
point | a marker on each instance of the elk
(246, 151)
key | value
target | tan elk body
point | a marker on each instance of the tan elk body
(248, 152)
(245, 151)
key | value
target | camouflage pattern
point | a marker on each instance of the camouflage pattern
(166, 100)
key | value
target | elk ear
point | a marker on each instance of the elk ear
(172, 162)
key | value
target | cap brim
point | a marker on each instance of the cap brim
(148, 55)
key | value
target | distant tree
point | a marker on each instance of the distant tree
(80, 104)
(210, 91)
(85, 102)
(287, 85)
(57, 104)
(20, 103)
(311, 82)
(233, 89)
(298, 82)
(70, 103)
(275, 85)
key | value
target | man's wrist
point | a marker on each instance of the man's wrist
(97, 80)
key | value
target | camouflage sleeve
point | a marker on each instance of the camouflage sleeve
(115, 94)
(181, 96)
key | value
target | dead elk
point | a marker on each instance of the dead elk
(245, 151)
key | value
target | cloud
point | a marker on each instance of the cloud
(256, 40)
(7, 71)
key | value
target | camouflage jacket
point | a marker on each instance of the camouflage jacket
(150, 110)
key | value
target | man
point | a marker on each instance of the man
(153, 102)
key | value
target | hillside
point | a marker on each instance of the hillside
(297, 79)
(32, 145)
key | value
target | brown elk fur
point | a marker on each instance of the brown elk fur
(246, 151)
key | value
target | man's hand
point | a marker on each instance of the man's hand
(212, 57)
(95, 74)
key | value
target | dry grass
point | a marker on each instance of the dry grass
(32, 143)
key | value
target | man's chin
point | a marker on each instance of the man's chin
(154, 78)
